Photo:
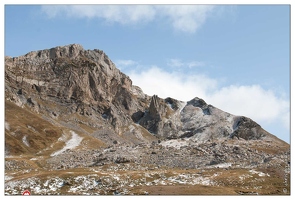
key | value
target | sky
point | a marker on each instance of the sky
(235, 57)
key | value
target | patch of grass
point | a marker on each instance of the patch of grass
(38, 132)
(90, 142)
(87, 128)
(186, 190)
(244, 181)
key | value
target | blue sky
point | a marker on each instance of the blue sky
(235, 57)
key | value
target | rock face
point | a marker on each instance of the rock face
(68, 80)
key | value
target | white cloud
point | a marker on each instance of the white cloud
(125, 62)
(175, 63)
(261, 105)
(195, 64)
(252, 101)
(122, 64)
(111, 13)
(186, 18)
(180, 63)
(176, 85)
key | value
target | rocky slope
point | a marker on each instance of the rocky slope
(67, 108)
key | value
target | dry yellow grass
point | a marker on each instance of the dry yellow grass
(39, 133)
(186, 190)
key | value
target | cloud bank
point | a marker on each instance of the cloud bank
(261, 105)
(185, 18)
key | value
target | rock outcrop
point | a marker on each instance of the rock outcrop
(68, 80)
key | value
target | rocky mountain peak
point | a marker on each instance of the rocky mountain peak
(87, 83)
(155, 107)
(197, 102)
(69, 51)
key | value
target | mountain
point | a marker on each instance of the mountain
(67, 108)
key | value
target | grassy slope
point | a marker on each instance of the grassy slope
(39, 133)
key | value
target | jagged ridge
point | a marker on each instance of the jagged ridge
(87, 82)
